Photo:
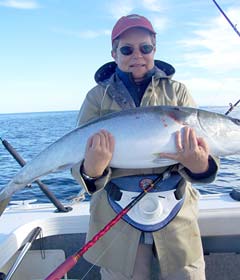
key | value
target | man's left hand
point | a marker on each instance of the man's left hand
(192, 152)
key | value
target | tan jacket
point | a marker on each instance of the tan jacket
(179, 243)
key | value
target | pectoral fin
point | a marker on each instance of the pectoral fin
(161, 161)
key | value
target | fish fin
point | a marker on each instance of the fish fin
(63, 167)
(4, 204)
(161, 161)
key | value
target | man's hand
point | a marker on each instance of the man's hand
(98, 153)
(192, 152)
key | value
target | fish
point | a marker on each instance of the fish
(141, 134)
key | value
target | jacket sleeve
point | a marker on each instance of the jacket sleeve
(184, 97)
(206, 177)
(90, 109)
(91, 186)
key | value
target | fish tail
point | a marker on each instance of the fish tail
(4, 204)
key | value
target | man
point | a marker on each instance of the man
(136, 79)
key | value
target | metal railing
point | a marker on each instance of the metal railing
(32, 236)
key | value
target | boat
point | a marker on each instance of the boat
(45, 237)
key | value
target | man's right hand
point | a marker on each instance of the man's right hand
(98, 153)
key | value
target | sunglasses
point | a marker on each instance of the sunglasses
(144, 49)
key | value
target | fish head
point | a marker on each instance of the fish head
(221, 132)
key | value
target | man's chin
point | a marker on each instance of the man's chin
(138, 77)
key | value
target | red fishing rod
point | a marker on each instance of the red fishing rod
(71, 261)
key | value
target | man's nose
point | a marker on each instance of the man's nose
(137, 52)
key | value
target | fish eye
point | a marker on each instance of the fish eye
(236, 121)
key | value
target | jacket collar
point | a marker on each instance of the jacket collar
(103, 74)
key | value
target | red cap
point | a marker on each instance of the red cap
(130, 21)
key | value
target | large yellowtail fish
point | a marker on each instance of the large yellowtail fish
(140, 135)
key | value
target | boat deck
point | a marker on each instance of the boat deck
(219, 222)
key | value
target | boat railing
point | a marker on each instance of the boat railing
(60, 207)
(30, 239)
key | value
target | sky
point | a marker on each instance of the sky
(51, 49)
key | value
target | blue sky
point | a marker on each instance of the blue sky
(50, 49)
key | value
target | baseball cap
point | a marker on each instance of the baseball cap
(130, 21)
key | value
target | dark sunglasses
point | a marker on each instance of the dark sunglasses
(144, 49)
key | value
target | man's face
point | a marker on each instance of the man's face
(137, 62)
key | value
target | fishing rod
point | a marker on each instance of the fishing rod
(232, 107)
(41, 185)
(238, 33)
(227, 18)
(71, 261)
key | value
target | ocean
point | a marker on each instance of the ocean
(30, 133)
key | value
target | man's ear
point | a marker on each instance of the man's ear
(154, 49)
(114, 54)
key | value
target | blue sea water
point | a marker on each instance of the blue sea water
(30, 133)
